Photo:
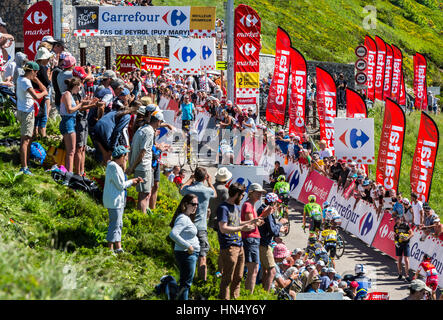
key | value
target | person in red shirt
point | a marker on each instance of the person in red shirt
(431, 274)
(251, 239)
(178, 180)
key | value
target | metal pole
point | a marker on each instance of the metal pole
(57, 12)
(230, 49)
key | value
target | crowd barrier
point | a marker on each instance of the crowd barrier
(359, 219)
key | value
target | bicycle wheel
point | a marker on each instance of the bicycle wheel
(182, 155)
(340, 247)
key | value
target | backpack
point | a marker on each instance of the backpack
(168, 285)
(84, 184)
(37, 152)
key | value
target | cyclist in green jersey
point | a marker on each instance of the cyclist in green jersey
(314, 212)
(281, 187)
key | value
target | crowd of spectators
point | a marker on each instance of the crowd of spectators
(126, 2)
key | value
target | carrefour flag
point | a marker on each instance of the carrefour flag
(354, 140)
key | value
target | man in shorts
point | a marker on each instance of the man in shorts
(26, 97)
(204, 193)
(403, 234)
(140, 159)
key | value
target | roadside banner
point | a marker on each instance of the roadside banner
(354, 140)
(316, 184)
(145, 21)
(247, 37)
(380, 68)
(156, 64)
(402, 94)
(422, 168)
(391, 146)
(127, 62)
(397, 71)
(420, 87)
(37, 23)
(326, 106)
(297, 100)
(371, 61)
(388, 72)
(366, 224)
(278, 91)
(207, 54)
(184, 55)
(384, 238)
(355, 105)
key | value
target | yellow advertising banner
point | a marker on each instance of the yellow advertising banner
(247, 79)
(202, 18)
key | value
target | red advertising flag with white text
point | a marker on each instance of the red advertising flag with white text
(402, 94)
(371, 60)
(326, 106)
(278, 91)
(397, 69)
(391, 146)
(420, 87)
(388, 72)
(297, 99)
(247, 35)
(380, 67)
(424, 157)
(37, 23)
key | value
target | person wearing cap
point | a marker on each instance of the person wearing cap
(314, 286)
(324, 276)
(251, 239)
(297, 254)
(114, 197)
(106, 95)
(26, 97)
(68, 65)
(268, 230)
(195, 185)
(69, 108)
(418, 290)
(402, 236)
(231, 245)
(44, 74)
(222, 176)
(431, 221)
(281, 253)
(140, 160)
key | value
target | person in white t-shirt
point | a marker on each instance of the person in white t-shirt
(417, 210)
(324, 152)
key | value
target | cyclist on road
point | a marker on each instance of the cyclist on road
(321, 254)
(329, 238)
(310, 249)
(431, 274)
(281, 188)
(326, 206)
(314, 212)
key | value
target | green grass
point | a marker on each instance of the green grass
(411, 135)
(329, 30)
(51, 235)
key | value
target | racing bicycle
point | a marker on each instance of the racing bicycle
(186, 154)
(283, 213)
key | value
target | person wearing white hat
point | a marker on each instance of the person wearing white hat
(222, 177)
(418, 290)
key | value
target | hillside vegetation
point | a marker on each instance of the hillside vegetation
(329, 30)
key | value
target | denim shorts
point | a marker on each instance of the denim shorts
(42, 118)
(252, 252)
(115, 225)
(67, 125)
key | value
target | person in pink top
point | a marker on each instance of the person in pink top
(251, 239)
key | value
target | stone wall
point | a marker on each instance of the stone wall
(12, 12)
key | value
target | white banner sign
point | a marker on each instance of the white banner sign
(207, 54)
(184, 55)
(354, 140)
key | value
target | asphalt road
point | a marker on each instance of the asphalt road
(382, 269)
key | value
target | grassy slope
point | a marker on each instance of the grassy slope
(412, 126)
(48, 230)
(329, 30)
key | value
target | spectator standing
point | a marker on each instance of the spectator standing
(231, 245)
(140, 159)
(403, 234)
(251, 239)
(341, 88)
(187, 247)
(222, 176)
(187, 111)
(204, 193)
(431, 221)
(278, 171)
(25, 109)
(114, 197)
(417, 210)
(324, 151)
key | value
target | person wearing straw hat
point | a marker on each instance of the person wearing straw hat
(222, 176)
(26, 97)
(114, 197)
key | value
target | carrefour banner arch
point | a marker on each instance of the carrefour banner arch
(145, 21)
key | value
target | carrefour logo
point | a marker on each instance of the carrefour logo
(308, 186)
(366, 223)
(294, 179)
(174, 18)
(352, 139)
(184, 54)
(206, 52)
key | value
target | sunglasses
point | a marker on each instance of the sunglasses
(193, 204)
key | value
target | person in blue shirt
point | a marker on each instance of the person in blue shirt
(314, 287)
(282, 141)
(187, 111)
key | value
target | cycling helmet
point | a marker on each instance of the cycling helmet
(312, 198)
(326, 204)
(360, 269)
(317, 245)
(281, 178)
(312, 238)
(427, 257)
